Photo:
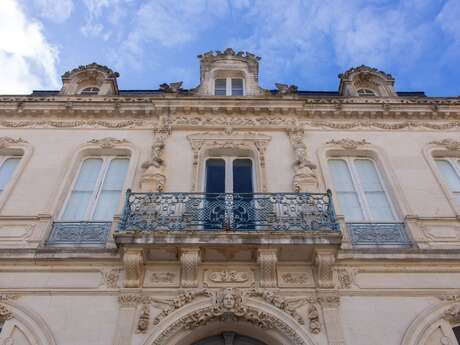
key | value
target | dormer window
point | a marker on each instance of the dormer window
(366, 93)
(229, 87)
(90, 91)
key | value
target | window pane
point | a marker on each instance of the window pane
(237, 87)
(111, 189)
(215, 176)
(7, 170)
(457, 333)
(242, 176)
(79, 200)
(448, 172)
(368, 176)
(346, 194)
(220, 87)
(379, 207)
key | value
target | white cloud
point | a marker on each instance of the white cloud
(28, 60)
(448, 19)
(57, 11)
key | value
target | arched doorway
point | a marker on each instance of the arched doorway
(229, 338)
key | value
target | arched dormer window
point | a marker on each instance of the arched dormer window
(366, 93)
(89, 91)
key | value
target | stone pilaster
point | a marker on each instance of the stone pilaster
(330, 304)
(126, 318)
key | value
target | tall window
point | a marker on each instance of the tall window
(360, 190)
(229, 87)
(450, 170)
(8, 165)
(96, 190)
(229, 174)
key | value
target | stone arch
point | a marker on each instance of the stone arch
(24, 326)
(434, 326)
(261, 321)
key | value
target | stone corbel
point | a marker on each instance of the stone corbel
(267, 259)
(133, 262)
(324, 261)
(190, 259)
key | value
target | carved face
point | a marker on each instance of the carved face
(228, 301)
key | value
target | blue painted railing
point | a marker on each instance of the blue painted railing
(228, 212)
(79, 233)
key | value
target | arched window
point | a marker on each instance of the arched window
(366, 93)
(89, 91)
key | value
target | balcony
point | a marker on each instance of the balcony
(148, 216)
(378, 234)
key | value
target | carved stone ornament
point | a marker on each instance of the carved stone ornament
(144, 320)
(304, 175)
(228, 139)
(285, 89)
(162, 277)
(133, 262)
(189, 259)
(267, 259)
(295, 278)
(108, 143)
(5, 313)
(227, 276)
(313, 317)
(111, 278)
(344, 278)
(7, 141)
(171, 87)
(349, 144)
(154, 178)
(324, 268)
(453, 314)
(450, 144)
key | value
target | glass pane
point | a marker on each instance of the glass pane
(242, 176)
(215, 176)
(89, 172)
(379, 207)
(111, 189)
(457, 333)
(350, 206)
(220, 87)
(368, 176)
(79, 200)
(448, 172)
(237, 87)
(341, 175)
(7, 170)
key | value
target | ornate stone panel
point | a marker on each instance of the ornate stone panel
(294, 277)
(228, 276)
(167, 276)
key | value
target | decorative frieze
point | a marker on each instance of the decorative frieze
(108, 143)
(295, 276)
(111, 278)
(349, 144)
(7, 141)
(450, 144)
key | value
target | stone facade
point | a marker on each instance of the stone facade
(152, 276)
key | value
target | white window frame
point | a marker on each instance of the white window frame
(106, 160)
(228, 85)
(229, 172)
(455, 163)
(349, 160)
(3, 159)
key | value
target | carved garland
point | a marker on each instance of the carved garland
(349, 144)
(250, 141)
(108, 143)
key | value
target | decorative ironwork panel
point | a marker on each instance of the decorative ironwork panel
(228, 211)
(79, 233)
(378, 234)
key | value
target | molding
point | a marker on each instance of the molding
(449, 144)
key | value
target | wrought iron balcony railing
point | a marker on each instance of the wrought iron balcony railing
(228, 212)
(79, 233)
(378, 234)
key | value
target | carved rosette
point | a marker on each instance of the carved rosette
(267, 259)
(189, 259)
(324, 268)
(133, 262)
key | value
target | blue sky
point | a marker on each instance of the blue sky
(302, 42)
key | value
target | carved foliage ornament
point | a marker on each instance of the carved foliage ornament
(449, 144)
(349, 144)
(5, 313)
(227, 276)
(108, 143)
(7, 141)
